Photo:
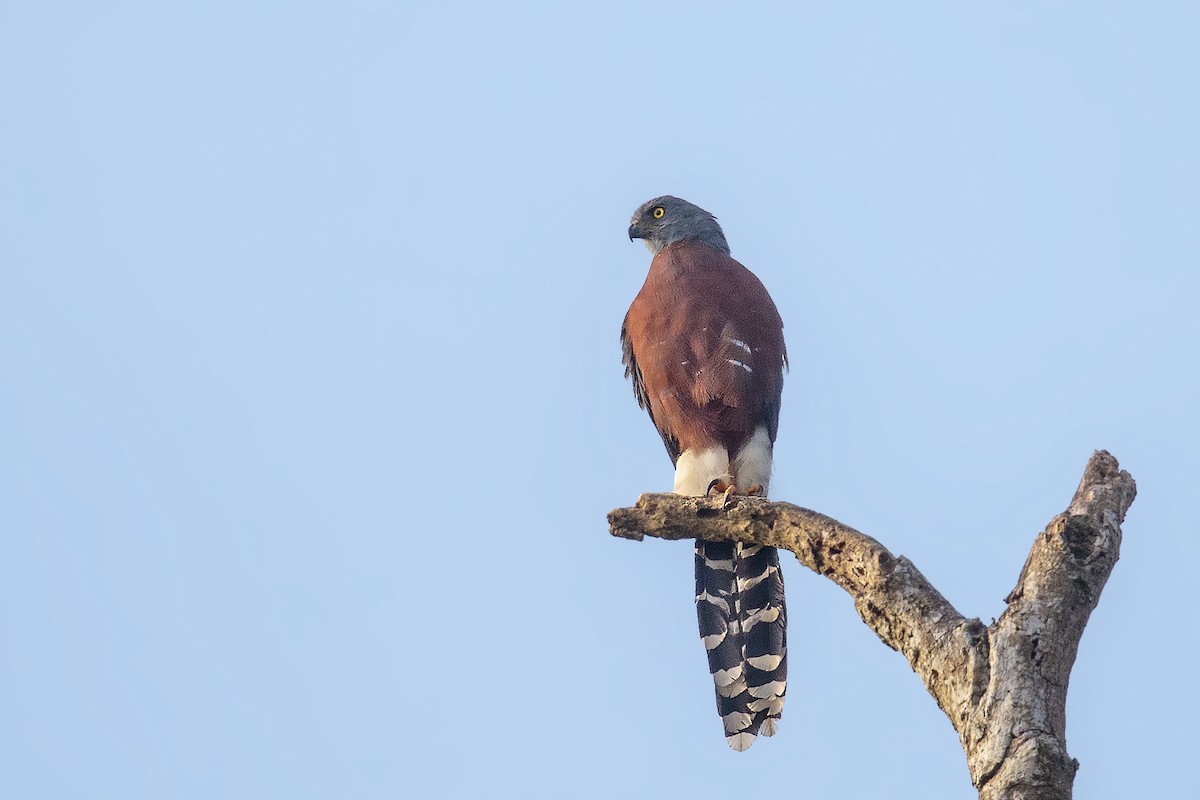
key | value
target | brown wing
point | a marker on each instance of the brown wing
(633, 372)
(704, 346)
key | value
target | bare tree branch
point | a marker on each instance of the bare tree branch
(1003, 686)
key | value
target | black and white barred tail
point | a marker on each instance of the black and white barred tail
(743, 626)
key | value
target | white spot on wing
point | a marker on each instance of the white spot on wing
(741, 364)
(739, 343)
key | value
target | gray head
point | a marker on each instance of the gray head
(666, 220)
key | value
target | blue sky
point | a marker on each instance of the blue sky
(311, 406)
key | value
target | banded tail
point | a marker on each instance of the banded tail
(743, 626)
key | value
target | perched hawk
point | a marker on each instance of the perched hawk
(703, 344)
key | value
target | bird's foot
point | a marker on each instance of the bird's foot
(719, 485)
(729, 490)
(753, 490)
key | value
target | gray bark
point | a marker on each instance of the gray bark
(1003, 686)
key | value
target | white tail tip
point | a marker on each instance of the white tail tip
(741, 741)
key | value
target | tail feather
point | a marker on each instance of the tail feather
(764, 639)
(720, 631)
(740, 609)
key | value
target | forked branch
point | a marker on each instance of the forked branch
(1003, 686)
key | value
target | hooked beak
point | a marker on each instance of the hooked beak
(635, 232)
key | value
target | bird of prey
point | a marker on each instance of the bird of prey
(703, 344)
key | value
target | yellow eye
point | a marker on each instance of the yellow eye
(658, 212)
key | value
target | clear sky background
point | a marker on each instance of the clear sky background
(311, 404)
